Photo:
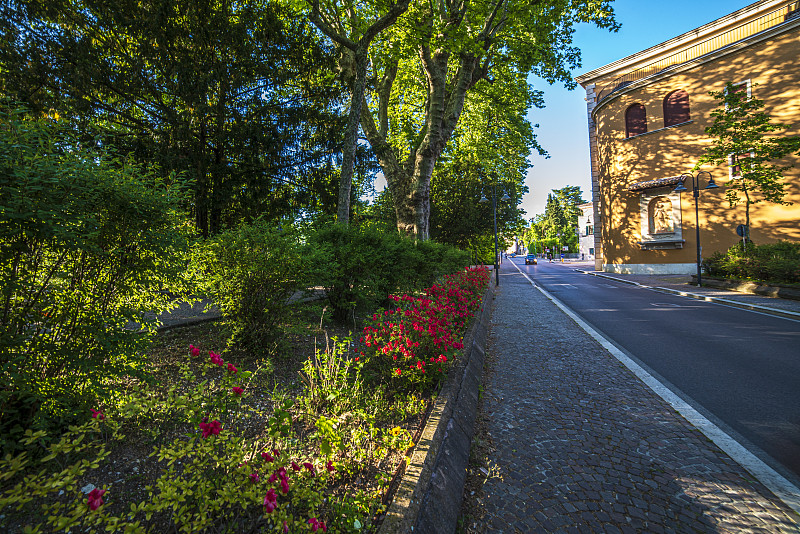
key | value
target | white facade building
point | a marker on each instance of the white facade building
(586, 232)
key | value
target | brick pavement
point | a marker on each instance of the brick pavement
(581, 445)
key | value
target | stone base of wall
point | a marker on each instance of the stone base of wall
(650, 268)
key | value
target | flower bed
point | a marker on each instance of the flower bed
(223, 468)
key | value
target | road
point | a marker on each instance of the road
(741, 369)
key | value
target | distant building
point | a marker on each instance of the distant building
(586, 239)
(647, 118)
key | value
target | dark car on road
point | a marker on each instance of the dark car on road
(530, 259)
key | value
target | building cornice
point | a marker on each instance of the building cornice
(676, 43)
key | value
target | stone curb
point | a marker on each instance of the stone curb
(429, 497)
(752, 288)
(727, 302)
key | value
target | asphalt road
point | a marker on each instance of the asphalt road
(739, 368)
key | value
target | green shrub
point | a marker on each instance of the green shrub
(213, 478)
(359, 267)
(775, 262)
(251, 272)
(87, 243)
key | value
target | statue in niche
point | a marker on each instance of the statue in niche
(661, 216)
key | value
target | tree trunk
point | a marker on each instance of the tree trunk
(351, 136)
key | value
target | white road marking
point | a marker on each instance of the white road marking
(774, 481)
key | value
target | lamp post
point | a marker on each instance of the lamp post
(696, 195)
(483, 200)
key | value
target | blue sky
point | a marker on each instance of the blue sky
(563, 123)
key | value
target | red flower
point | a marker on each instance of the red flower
(238, 390)
(95, 499)
(215, 358)
(211, 428)
(194, 350)
(232, 369)
(284, 486)
(97, 415)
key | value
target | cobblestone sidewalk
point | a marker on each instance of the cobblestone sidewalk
(581, 445)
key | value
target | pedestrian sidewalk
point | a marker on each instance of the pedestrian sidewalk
(580, 444)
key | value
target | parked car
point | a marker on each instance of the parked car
(530, 259)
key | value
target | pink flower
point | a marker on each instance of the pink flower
(215, 358)
(232, 369)
(267, 456)
(211, 428)
(95, 499)
(97, 415)
(194, 350)
(316, 524)
(254, 478)
(284, 486)
(285, 528)
(238, 390)
(272, 478)
(270, 501)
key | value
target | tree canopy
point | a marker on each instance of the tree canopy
(238, 96)
(444, 55)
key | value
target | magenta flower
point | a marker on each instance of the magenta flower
(267, 456)
(254, 478)
(95, 499)
(232, 368)
(310, 467)
(295, 466)
(215, 358)
(194, 350)
(285, 528)
(96, 414)
(270, 501)
(329, 467)
(238, 390)
(316, 525)
(284, 486)
(211, 428)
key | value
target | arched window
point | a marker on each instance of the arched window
(676, 108)
(635, 120)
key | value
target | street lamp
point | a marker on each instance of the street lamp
(696, 195)
(484, 200)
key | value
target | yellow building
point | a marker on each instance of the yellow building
(647, 118)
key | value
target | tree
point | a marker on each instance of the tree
(440, 56)
(349, 29)
(235, 95)
(569, 198)
(741, 130)
(560, 217)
